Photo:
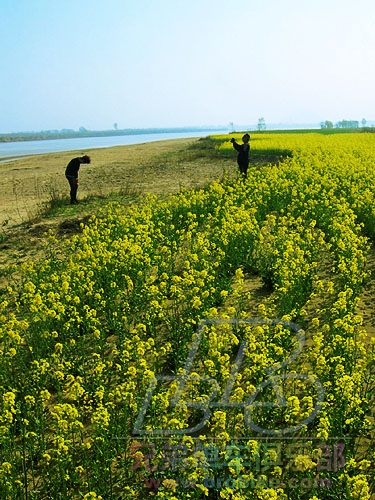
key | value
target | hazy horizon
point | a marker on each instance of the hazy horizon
(229, 127)
(165, 64)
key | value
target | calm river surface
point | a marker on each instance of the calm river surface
(13, 150)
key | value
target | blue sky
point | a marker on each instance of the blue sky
(166, 63)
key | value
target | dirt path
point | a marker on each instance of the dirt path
(366, 305)
(155, 167)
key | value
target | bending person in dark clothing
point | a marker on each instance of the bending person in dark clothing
(71, 173)
(243, 153)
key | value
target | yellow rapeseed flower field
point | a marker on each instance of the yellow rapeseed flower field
(205, 345)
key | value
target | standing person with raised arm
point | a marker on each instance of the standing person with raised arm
(243, 153)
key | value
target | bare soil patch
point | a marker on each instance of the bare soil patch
(156, 167)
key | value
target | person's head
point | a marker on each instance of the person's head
(246, 138)
(85, 159)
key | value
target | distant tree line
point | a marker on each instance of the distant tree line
(343, 124)
(83, 132)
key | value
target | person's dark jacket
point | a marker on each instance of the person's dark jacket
(243, 152)
(73, 167)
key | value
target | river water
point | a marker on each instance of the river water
(13, 150)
